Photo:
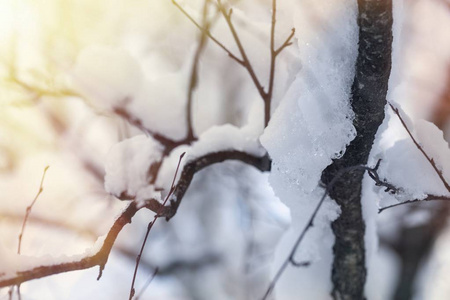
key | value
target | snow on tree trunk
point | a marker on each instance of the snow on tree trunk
(368, 101)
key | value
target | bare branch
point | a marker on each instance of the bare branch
(378, 182)
(299, 263)
(193, 81)
(122, 112)
(101, 257)
(208, 33)
(150, 226)
(98, 259)
(273, 56)
(427, 198)
(192, 167)
(150, 279)
(286, 43)
(168, 143)
(29, 208)
(24, 224)
(246, 62)
(430, 160)
(291, 257)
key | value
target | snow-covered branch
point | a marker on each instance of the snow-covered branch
(100, 258)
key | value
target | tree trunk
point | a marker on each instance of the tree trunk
(368, 100)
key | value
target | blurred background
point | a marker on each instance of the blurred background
(44, 121)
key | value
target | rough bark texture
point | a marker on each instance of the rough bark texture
(368, 100)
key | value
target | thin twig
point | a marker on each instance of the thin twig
(25, 219)
(273, 56)
(430, 160)
(122, 112)
(286, 43)
(98, 259)
(378, 182)
(22, 230)
(246, 62)
(208, 33)
(146, 285)
(427, 198)
(150, 226)
(193, 81)
(291, 257)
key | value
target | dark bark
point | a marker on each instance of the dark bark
(368, 100)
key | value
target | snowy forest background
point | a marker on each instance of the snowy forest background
(110, 93)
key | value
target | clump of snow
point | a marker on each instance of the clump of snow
(9, 261)
(161, 103)
(227, 202)
(127, 167)
(112, 79)
(216, 139)
(434, 144)
(313, 125)
(406, 167)
(108, 76)
(227, 137)
(97, 246)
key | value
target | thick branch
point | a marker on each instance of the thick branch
(99, 259)
(373, 173)
(192, 167)
(368, 101)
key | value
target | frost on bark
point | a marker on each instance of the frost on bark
(368, 100)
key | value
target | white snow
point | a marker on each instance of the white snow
(312, 125)
(127, 167)
(227, 137)
(404, 165)
(231, 210)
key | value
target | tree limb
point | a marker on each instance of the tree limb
(368, 100)
(418, 146)
(101, 257)
(98, 259)
(427, 198)
(261, 163)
